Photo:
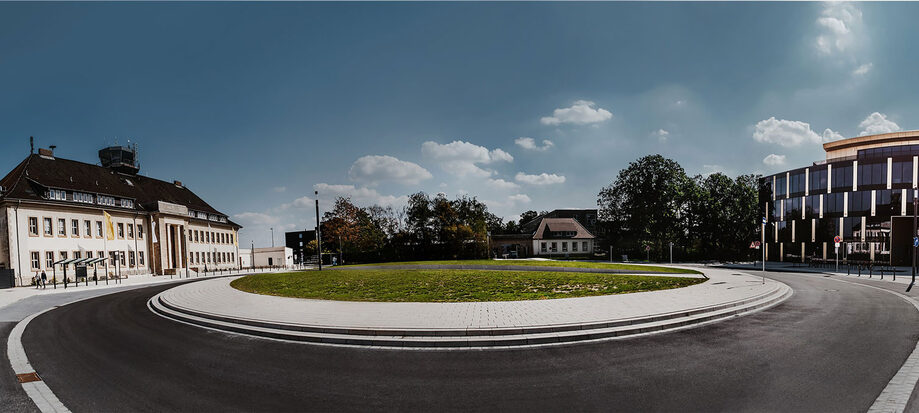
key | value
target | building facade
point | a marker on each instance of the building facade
(58, 214)
(862, 192)
(551, 237)
(298, 242)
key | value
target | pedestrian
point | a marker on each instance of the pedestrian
(36, 280)
(44, 280)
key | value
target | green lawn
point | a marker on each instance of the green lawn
(539, 263)
(451, 285)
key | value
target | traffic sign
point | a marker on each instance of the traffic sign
(915, 241)
(765, 221)
(647, 248)
(837, 239)
(837, 245)
(755, 244)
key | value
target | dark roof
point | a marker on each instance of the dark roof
(28, 180)
(561, 225)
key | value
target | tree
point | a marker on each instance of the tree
(527, 217)
(645, 204)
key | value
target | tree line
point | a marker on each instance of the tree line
(650, 203)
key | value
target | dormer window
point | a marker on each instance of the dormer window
(83, 197)
(57, 194)
(127, 203)
(105, 200)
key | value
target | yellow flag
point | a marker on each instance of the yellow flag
(109, 229)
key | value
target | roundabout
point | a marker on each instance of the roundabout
(216, 304)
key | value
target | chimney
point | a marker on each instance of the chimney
(177, 183)
(46, 152)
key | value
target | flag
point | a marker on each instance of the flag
(153, 232)
(109, 229)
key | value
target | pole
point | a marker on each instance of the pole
(913, 269)
(318, 234)
(610, 253)
(671, 252)
(272, 237)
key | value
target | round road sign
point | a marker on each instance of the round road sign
(837, 239)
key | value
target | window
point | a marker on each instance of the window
(35, 261)
(796, 182)
(121, 255)
(196, 235)
(131, 259)
(121, 230)
(75, 227)
(140, 232)
(213, 238)
(111, 258)
(191, 237)
(232, 237)
(87, 228)
(198, 257)
(98, 229)
(61, 227)
(89, 254)
(127, 203)
(63, 255)
(209, 257)
(564, 246)
(77, 255)
(207, 237)
(574, 246)
(83, 197)
(49, 259)
(57, 194)
(131, 231)
(554, 247)
(859, 202)
(901, 172)
(140, 257)
(842, 176)
(47, 226)
(780, 186)
(105, 200)
(33, 226)
(584, 246)
(817, 180)
(100, 254)
(872, 174)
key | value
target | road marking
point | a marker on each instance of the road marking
(37, 390)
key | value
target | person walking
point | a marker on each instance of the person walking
(44, 280)
(37, 281)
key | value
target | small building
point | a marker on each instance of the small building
(266, 257)
(298, 242)
(552, 237)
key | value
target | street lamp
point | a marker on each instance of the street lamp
(318, 235)
(272, 237)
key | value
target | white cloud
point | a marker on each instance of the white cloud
(301, 202)
(877, 123)
(582, 112)
(280, 188)
(256, 219)
(831, 135)
(863, 69)
(784, 132)
(373, 169)
(462, 158)
(359, 196)
(541, 179)
(773, 159)
(518, 199)
(840, 28)
(502, 184)
(530, 144)
(662, 135)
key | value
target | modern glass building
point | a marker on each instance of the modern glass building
(862, 192)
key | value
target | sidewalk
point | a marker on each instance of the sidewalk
(10, 296)
(902, 273)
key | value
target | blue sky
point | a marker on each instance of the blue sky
(255, 106)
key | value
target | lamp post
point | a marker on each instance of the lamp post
(272, 237)
(318, 235)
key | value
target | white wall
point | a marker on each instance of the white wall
(280, 256)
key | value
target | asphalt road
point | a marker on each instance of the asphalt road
(830, 347)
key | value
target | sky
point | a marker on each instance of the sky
(525, 106)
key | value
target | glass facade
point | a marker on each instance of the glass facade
(807, 207)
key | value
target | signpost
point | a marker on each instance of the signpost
(765, 221)
(837, 240)
(756, 245)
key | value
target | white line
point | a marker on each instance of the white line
(38, 391)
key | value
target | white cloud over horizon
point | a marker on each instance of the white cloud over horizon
(582, 112)
(462, 158)
(530, 144)
(788, 133)
(541, 179)
(375, 169)
(877, 123)
(773, 159)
